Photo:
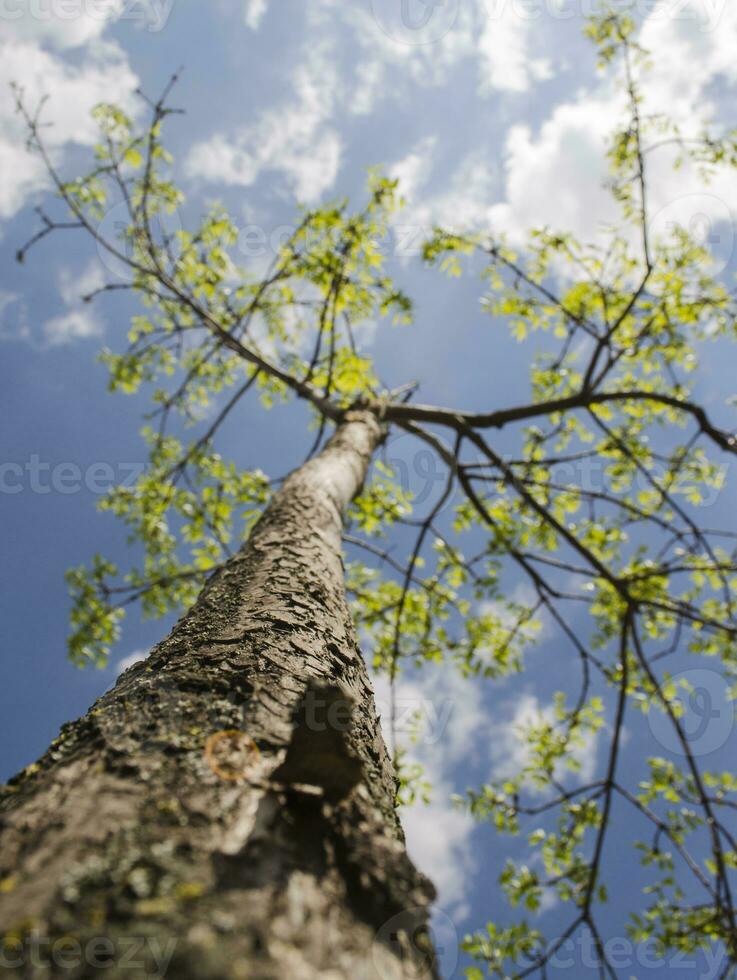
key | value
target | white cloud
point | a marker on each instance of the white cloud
(59, 23)
(491, 33)
(20, 174)
(459, 729)
(439, 842)
(103, 74)
(6, 299)
(452, 729)
(511, 754)
(369, 86)
(413, 171)
(68, 24)
(690, 49)
(72, 326)
(77, 322)
(132, 658)
(504, 50)
(73, 287)
(556, 177)
(18, 328)
(254, 13)
(293, 140)
(299, 140)
(80, 322)
(462, 204)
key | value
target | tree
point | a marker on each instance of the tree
(233, 792)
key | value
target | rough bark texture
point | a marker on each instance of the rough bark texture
(153, 839)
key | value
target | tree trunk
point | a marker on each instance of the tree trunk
(227, 809)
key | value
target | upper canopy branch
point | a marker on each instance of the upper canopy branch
(584, 399)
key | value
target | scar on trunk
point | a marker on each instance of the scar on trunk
(319, 753)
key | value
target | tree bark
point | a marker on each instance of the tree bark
(227, 809)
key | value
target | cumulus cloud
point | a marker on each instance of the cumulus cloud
(510, 752)
(69, 327)
(462, 203)
(505, 51)
(454, 729)
(79, 322)
(59, 23)
(693, 43)
(556, 176)
(492, 33)
(100, 72)
(76, 322)
(458, 206)
(449, 716)
(439, 842)
(293, 140)
(254, 13)
(73, 287)
(299, 140)
(413, 170)
(66, 24)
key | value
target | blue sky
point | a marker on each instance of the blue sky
(492, 114)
